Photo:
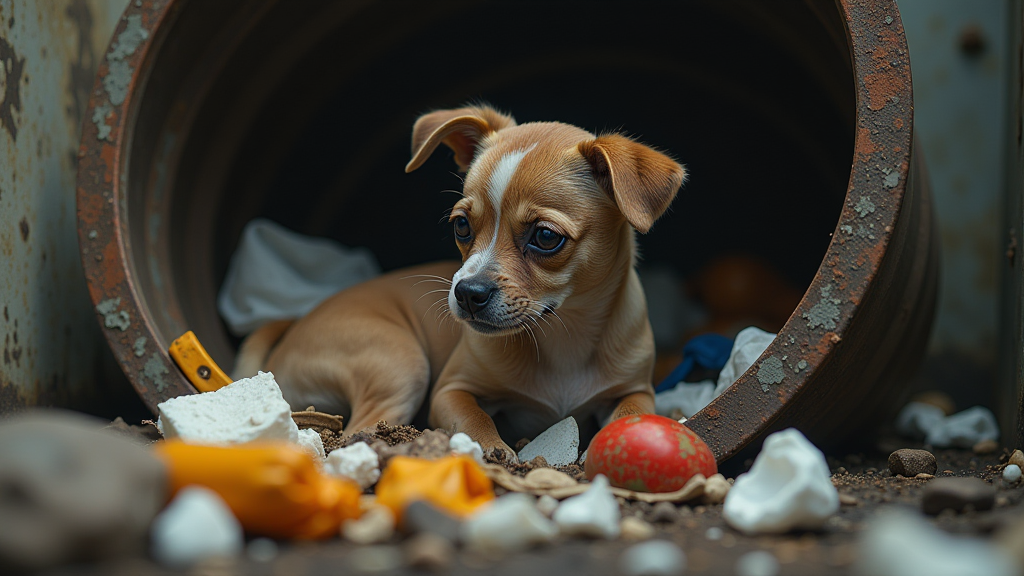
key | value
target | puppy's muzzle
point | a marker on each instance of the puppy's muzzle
(473, 295)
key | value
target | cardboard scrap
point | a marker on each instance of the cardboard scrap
(551, 482)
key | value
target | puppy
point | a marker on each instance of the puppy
(549, 313)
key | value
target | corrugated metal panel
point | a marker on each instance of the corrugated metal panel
(50, 347)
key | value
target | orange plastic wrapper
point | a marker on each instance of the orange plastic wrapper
(274, 489)
(455, 484)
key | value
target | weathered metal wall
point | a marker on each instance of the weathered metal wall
(52, 351)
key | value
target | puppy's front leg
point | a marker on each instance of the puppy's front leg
(458, 411)
(635, 403)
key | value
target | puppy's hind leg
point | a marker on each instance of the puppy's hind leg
(393, 392)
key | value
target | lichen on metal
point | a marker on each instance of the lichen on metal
(770, 372)
(864, 206)
(140, 346)
(112, 317)
(119, 72)
(825, 313)
(155, 370)
(99, 118)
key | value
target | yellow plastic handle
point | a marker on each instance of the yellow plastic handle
(197, 365)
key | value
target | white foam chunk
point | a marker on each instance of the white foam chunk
(559, 445)
(357, 462)
(654, 558)
(593, 513)
(311, 442)
(508, 524)
(897, 543)
(964, 429)
(461, 443)
(916, 419)
(243, 411)
(788, 487)
(195, 526)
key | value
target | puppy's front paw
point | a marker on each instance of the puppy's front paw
(500, 454)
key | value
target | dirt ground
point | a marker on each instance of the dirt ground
(711, 547)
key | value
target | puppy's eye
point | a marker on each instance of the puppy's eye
(462, 229)
(546, 241)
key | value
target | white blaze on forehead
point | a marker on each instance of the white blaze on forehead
(502, 175)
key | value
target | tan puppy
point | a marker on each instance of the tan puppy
(555, 321)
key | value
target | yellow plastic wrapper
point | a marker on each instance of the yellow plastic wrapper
(455, 484)
(274, 489)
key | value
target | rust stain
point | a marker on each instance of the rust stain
(81, 71)
(865, 146)
(108, 155)
(23, 227)
(12, 87)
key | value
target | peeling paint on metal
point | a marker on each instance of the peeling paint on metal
(112, 317)
(892, 179)
(140, 346)
(825, 313)
(864, 207)
(801, 365)
(119, 73)
(770, 372)
(99, 118)
(155, 370)
(93, 234)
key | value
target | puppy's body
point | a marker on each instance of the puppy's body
(553, 316)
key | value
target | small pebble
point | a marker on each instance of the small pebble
(1011, 473)
(196, 525)
(654, 558)
(848, 500)
(547, 505)
(664, 512)
(428, 551)
(757, 563)
(1017, 458)
(261, 550)
(957, 494)
(986, 447)
(509, 524)
(715, 489)
(357, 462)
(375, 526)
(908, 462)
(633, 528)
(593, 513)
(714, 533)
(559, 445)
(424, 517)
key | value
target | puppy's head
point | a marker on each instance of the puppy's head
(545, 214)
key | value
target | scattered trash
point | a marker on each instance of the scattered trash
(635, 529)
(648, 453)
(788, 487)
(375, 526)
(957, 494)
(461, 443)
(196, 525)
(716, 489)
(707, 351)
(276, 273)
(357, 462)
(654, 558)
(274, 489)
(592, 513)
(71, 492)
(909, 462)
(1011, 473)
(510, 523)
(455, 484)
(757, 563)
(559, 444)
(961, 430)
(899, 543)
(241, 412)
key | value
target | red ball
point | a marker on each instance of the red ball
(648, 453)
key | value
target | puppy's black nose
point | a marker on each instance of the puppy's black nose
(473, 294)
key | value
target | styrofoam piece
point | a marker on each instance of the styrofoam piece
(243, 411)
(898, 543)
(510, 523)
(276, 273)
(916, 419)
(461, 443)
(547, 505)
(357, 462)
(653, 558)
(757, 563)
(964, 429)
(1011, 473)
(592, 513)
(788, 487)
(688, 397)
(311, 442)
(750, 343)
(196, 525)
(559, 445)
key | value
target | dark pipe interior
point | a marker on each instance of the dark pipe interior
(755, 98)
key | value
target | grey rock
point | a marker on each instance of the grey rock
(957, 494)
(664, 512)
(73, 493)
(908, 462)
(423, 517)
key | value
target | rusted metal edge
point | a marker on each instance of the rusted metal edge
(101, 227)
(878, 182)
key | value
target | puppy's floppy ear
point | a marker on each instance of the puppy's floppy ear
(642, 181)
(461, 130)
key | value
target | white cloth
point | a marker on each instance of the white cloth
(276, 273)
